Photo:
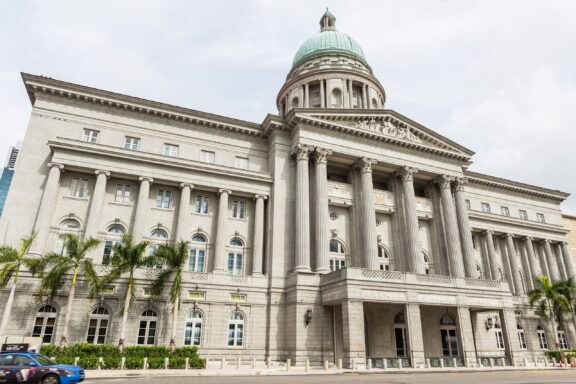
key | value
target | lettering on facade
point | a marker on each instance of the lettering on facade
(383, 295)
(333, 295)
(436, 299)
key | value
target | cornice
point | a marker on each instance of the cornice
(514, 186)
(151, 158)
(39, 87)
(499, 219)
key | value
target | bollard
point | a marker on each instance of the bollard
(238, 363)
(340, 364)
(369, 364)
(565, 362)
(480, 362)
(187, 363)
(76, 360)
(553, 361)
(441, 362)
(454, 362)
(222, 363)
(571, 362)
(492, 362)
(385, 363)
(525, 359)
(253, 363)
(166, 362)
(268, 362)
(503, 361)
(288, 363)
(400, 364)
(325, 365)
(354, 364)
(428, 363)
(145, 364)
(306, 365)
(123, 363)
(100, 363)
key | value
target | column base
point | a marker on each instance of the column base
(323, 270)
(302, 268)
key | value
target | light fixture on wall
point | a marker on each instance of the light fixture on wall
(489, 322)
(308, 316)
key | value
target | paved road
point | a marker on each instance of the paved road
(515, 377)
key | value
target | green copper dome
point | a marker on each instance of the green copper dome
(327, 41)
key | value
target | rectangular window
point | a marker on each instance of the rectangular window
(485, 207)
(235, 263)
(201, 204)
(499, 339)
(238, 209)
(523, 214)
(146, 292)
(522, 339)
(542, 339)
(241, 162)
(59, 249)
(108, 251)
(170, 150)
(163, 199)
(337, 264)
(132, 143)
(468, 205)
(505, 211)
(108, 290)
(196, 260)
(207, 157)
(123, 192)
(79, 187)
(540, 218)
(90, 135)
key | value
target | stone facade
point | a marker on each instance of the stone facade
(342, 231)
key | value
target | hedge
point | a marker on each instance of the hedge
(89, 355)
(556, 354)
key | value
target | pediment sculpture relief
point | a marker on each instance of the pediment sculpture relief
(388, 128)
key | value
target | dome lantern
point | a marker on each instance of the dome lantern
(327, 22)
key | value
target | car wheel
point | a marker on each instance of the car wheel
(50, 379)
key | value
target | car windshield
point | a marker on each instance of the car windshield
(43, 360)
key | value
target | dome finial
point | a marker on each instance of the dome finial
(328, 21)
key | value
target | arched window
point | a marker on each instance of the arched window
(521, 336)
(374, 103)
(198, 248)
(427, 264)
(236, 256)
(44, 323)
(542, 340)
(562, 341)
(66, 226)
(70, 224)
(337, 255)
(158, 236)
(147, 328)
(235, 330)
(113, 236)
(336, 99)
(400, 334)
(193, 329)
(98, 326)
(448, 336)
(383, 258)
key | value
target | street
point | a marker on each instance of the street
(509, 377)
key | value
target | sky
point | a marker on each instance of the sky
(496, 76)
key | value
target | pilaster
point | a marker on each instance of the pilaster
(258, 243)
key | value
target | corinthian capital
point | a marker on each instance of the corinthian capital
(320, 155)
(444, 181)
(459, 184)
(406, 173)
(364, 164)
(301, 152)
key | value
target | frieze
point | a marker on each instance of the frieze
(369, 294)
(388, 128)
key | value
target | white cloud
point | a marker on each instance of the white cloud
(497, 77)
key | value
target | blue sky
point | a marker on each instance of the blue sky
(498, 77)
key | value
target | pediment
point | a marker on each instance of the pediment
(386, 126)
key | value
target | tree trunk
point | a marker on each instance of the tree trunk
(8, 309)
(125, 314)
(174, 323)
(71, 294)
(554, 330)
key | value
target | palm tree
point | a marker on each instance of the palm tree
(550, 299)
(12, 261)
(568, 290)
(174, 256)
(127, 257)
(72, 261)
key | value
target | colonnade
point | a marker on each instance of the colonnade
(94, 219)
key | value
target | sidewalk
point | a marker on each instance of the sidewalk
(281, 371)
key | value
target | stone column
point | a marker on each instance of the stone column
(451, 227)
(353, 338)
(513, 259)
(567, 260)
(221, 232)
(322, 97)
(492, 256)
(551, 261)
(302, 215)
(350, 98)
(258, 242)
(415, 335)
(560, 260)
(364, 97)
(321, 210)
(532, 259)
(466, 336)
(46, 209)
(306, 96)
(183, 212)
(97, 204)
(141, 208)
(465, 229)
(370, 243)
(510, 333)
(414, 258)
(527, 269)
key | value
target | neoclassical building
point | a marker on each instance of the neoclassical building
(335, 229)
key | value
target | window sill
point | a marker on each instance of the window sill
(163, 209)
(237, 218)
(121, 204)
(75, 198)
(201, 214)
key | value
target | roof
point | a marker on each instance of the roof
(329, 42)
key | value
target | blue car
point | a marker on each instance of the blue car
(26, 367)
